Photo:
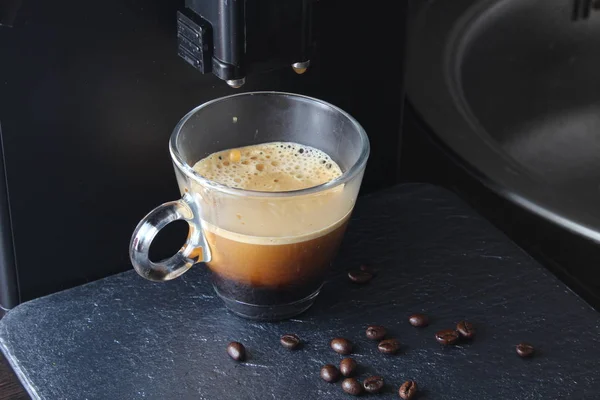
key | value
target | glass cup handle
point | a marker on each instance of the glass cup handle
(193, 251)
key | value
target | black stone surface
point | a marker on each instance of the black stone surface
(126, 338)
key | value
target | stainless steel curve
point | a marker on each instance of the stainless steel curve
(512, 87)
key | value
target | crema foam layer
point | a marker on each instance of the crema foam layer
(273, 220)
(270, 167)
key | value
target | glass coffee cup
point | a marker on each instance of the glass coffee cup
(268, 252)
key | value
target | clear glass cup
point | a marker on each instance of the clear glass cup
(268, 252)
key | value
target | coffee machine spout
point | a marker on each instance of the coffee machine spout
(236, 83)
(301, 67)
(234, 38)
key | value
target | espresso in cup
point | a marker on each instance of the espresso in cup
(273, 250)
(268, 181)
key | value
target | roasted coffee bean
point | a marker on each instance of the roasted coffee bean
(418, 320)
(290, 341)
(525, 350)
(352, 386)
(373, 384)
(341, 346)
(376, 332)
(447, 336)
(348, 366)
(408, 390)
(237, 351)
(329, 373)
(389, 346)
(466, 329)
(360, 276)
(369, 269)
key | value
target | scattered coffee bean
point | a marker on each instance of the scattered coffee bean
(369, 269)
(376, 332)
(408, 390)
(341, 346)
(447, 336)
(329, 373)
(389, 346)
(373, 384)
(360, 276)
(352, 386)
(348, 366)
(290, 341)
(418, 320)
(237, 351)
(466, 329)
(525, 350)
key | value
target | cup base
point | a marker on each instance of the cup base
(275, 312)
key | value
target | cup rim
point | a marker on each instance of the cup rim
(346, 176)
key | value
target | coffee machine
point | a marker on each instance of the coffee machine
(89, 95)
(234, 38)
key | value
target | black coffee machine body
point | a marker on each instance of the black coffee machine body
(90, 92)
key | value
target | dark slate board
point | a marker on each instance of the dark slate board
(126, 338)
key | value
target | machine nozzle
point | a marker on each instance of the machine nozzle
(236, 83)
(301, 67)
